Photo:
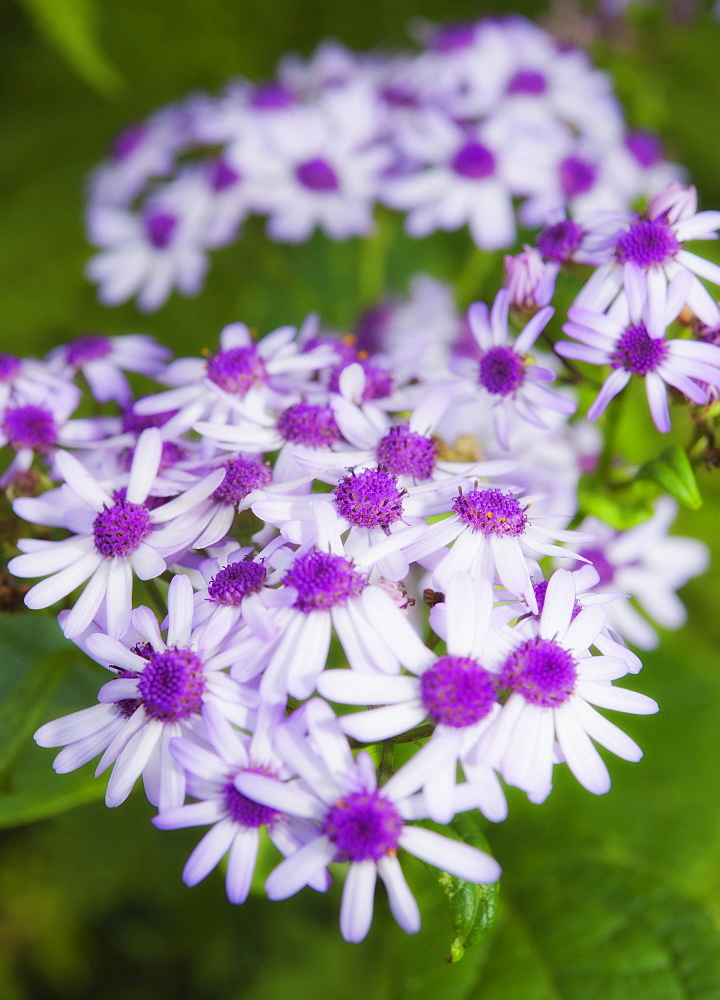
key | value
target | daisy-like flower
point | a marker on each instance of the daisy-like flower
(553, 683)
(470, 178)
(322, 168)
(162, 687)
(651, 246)
(116, 535)
(146, 253)
(321, 592)
(629, 340)
(103, 361)
(356, 823)
(649, 565)
(491, 534)
(504, 370)
(457, 692)
(237, 821)
(245, 381)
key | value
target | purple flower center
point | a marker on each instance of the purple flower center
(234, 582)
(317, 175)
(30, 427)
(372, 326)
(501, 371)
(638, 352)
(606, 570)
(243, 810)
(645, 147)
(541, 671)
(9, 367)
(221, 175)
(160, 228)
(323, 581)
(527, 81)
(576, 176)
(242, 476)
(378, 381)
(119, 530)
(312, 425)
(369, 499)
(491, 511)
(457, 691)
(171, 685)
(237, 370)
(560, 241)
(451, 37)
(89, 348)
(474, 161)
(540, 590)
(647, 242)
(126, 142)
(364, 826)
(406, 453)
(271, 96)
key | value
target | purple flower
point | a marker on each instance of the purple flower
(630, 339)
(356, 823)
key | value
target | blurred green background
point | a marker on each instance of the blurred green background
(611, 897)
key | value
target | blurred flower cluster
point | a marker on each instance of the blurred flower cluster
(490, 125)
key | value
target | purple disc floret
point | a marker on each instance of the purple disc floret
(407, 453)
(542, 671)
(242, 476)
(236, 581)
(119, 530)
(646, 243)
(491, 511)
(309, 424)
(30, 427)
(171, 686)
(369, 499)
(323, 581)
(363, 826)
(501, 371)
(457, 691)
(237, 370)
(638, 352)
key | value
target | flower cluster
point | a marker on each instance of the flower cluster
(300, 493)
(489, 124)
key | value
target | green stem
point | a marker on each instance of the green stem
(469, 283)
(611, 428)
(385, 769)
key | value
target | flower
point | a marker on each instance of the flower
(553, 682)
(631, 340)
(160, 692)
(355, 822)
(115, 535)
(505, 372)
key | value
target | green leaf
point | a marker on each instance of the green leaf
(579, 927)
(69, 25)
(34, 660)
(621, 507)
(672, 470)
(473, 908)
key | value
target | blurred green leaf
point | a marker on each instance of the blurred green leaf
(620, 507)
(70, 26)
(34, 659)
(672, 470)
(580, 927)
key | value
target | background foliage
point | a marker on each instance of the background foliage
(613, 897)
